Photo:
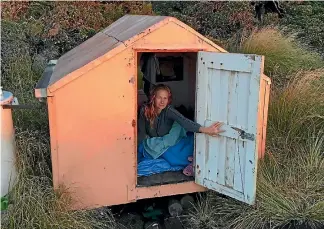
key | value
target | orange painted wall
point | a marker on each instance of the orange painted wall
(94, 133)
(92, 130)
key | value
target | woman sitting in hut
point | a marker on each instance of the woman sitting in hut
(164, 133)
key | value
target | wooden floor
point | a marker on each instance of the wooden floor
(163, 178)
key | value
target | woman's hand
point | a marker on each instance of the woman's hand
(212, 130)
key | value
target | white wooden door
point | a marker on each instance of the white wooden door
(228, 91)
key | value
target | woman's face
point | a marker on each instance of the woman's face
(161, 99)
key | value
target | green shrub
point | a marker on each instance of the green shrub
(220, 20)
(305, 18)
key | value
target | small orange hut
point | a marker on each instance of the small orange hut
(92, 94)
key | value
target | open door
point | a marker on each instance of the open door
(228, 88)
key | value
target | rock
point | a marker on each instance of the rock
(174, 207)
(173, 223)
(187, 202)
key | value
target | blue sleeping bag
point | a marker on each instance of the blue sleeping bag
(174, 158)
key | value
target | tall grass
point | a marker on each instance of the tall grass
(289, 195)
(283, 56)
(296, 110)
(289, 192)
(20, 78)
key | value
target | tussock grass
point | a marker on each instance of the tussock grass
(203, 213)
(283, 56)
(289, 194)
(296, 110)
(20, 78)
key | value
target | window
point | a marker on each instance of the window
(171, 69)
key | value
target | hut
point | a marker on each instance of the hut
(93, 93)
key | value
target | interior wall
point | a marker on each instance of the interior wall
(192, 68)
(183, 91)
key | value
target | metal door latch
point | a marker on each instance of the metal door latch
(244, 135)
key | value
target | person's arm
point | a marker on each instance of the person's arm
(187, 124)
(192, 126)
(141, 130)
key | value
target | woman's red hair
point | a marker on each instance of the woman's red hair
(150, 112)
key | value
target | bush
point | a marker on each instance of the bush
(220, 20)
(306, 19)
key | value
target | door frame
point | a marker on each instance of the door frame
(136, 192)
